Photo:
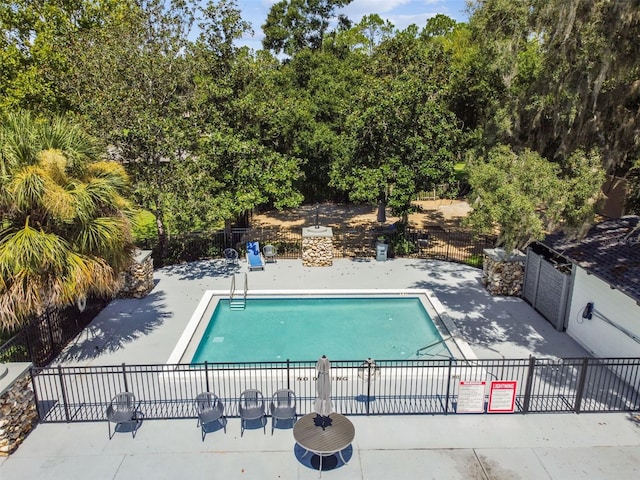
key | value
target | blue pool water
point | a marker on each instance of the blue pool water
(302, 329)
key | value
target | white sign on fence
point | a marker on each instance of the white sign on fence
(471, 397)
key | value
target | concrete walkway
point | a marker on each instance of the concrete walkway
(534, 446)
(559, 447)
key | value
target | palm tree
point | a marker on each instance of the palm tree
(65, 232)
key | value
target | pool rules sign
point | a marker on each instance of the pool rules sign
(470, 397)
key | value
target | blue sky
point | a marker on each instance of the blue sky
(400, 13)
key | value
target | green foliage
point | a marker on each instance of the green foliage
(166, 114)
(401, 245)
(475, 260)
(582, 178)
(561, 76)
(66, 229)
(298, 110)
(588, 96)
(293, 25)
(633, 200)
(247, 175)
(144, 226)
(524, 196)
(515, 194)
(438, 26)
(401, 137)
(130, 78)
(15, 353)
(30, 48)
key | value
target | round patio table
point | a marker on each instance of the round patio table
(333, 439)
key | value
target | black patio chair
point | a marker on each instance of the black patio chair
(122, 410)
(230, 256)
(210, 409)
(283, 407)
(251, 407)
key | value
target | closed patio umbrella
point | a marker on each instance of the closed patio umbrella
(382, 214)
(323, 405)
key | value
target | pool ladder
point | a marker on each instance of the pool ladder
(421, 351)
(238, 299)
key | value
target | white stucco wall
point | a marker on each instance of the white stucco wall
(596, 335)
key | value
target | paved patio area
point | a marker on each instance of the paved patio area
(534, 446)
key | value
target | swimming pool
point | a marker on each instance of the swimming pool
(346, 325)
(276, 329)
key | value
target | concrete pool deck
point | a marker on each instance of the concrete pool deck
(534, 446)
(146, 330)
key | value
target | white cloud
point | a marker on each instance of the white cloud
(403, 21)
(359, 8)
(402, 13)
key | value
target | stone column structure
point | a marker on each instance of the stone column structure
(317, 246)
(18, 413)
(502, 273)
(137, 280)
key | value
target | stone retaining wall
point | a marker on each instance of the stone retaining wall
(18, 414)
(503, 274)
(137, 280)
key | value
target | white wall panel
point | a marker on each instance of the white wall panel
(596, 335)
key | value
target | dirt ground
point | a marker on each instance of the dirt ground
(445, 213)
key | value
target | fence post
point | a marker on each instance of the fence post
(35, 391)
(29, 347)
(206, 374)
(529, 384)
(448, 245)
(368, 385)
(580, 389)
(124, 377)
(446, 400)
(64, 394)
(288, 374)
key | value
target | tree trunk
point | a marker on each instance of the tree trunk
(162, 234)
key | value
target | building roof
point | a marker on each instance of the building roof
(610, 250)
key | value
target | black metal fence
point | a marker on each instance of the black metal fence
(45, 336)
(76, 394)
(437, 243)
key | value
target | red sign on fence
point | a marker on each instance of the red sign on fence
(502, 397)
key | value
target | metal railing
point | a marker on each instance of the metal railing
(45, 336)
(442, 191)
(74, 394)
(232, 290)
